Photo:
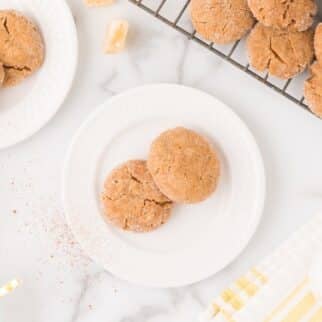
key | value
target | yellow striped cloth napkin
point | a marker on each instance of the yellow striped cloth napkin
(277, 289)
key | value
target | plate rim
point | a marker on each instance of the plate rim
(75, 44)
(261, 176)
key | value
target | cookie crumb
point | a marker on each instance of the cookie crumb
(116, 36)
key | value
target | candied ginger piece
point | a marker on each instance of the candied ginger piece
(98, 3)
(116, 36)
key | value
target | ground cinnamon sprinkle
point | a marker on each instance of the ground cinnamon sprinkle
(66, 247)
(50, 225)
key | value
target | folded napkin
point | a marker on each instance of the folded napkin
(279, 288)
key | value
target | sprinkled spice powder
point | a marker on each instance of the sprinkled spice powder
(66, 247)
(50, 225)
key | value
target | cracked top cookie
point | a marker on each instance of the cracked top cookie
(318, 42)
(221, 21)
(184, 165)
(283, 53)
(313, 89)
(295, 15)
(21, 47)
(131, 199)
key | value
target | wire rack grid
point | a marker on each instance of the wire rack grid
(175, 14)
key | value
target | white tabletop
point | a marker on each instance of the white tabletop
(59, 283)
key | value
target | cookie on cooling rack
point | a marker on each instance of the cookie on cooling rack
(295, 15)
(221, 21)
(132, 201)
(21, 47)
(184, 165)
(313, 89)
(318, 42)
(283, 53)
(2, 74)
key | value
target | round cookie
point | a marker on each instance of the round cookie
(131, 199)
(184, 165)
(313, 89)
(2, 74)
(283, 53)
(295, 15)
(21, 47)
(221, 21)
(318, 42)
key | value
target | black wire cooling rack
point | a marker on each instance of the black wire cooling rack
(175, 14)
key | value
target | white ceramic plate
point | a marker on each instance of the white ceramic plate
(28, 107)
(198, 240)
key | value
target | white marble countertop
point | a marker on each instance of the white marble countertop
(59, 283)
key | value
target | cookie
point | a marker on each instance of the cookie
(313, 89)
(131, 199)
(2, 74)
(318, 42)
(184, 165)
(283, 53)
(295, 15)
(221, 21)
(21, 47)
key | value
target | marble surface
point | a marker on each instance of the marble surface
(59, 282)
